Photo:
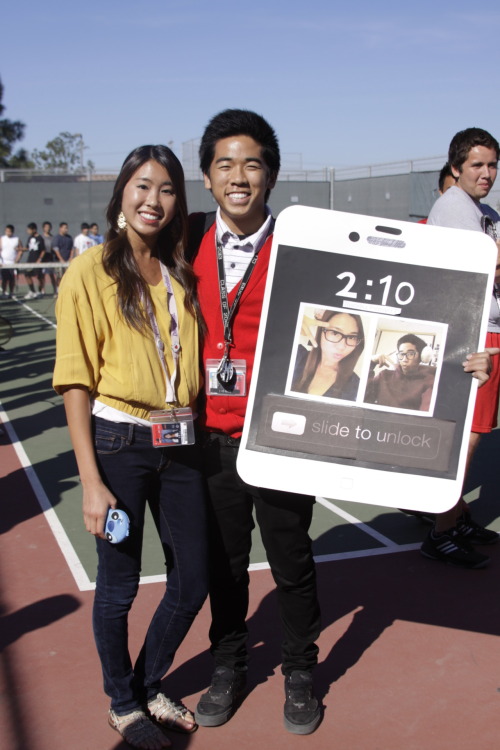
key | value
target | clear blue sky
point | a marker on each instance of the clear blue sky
(343, 83)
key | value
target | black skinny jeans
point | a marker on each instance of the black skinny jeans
(284, 519)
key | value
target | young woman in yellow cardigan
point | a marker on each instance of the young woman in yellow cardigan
(127, 350)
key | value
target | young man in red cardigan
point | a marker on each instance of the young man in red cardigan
(240, 160)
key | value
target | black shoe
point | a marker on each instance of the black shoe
(218, 704)
(302, 711)
(450, 547)
(474, 532)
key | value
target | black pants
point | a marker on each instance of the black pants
(284, 519)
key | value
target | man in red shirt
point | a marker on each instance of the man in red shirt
(240, 160)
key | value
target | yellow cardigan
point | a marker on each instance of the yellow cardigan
(97, 349)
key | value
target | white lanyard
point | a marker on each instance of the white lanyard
(170, 396)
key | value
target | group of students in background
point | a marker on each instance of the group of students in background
(39, 249)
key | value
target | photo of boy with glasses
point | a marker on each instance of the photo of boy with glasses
(409, 382)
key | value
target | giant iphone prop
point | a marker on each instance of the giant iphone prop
(358, 390)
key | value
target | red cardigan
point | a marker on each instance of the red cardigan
(227, 413)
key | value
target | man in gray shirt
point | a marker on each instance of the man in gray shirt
(473, 157)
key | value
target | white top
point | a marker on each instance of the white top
(238, 252)
(9, 249)
(82, 243)
(115, 415)
(456, 209)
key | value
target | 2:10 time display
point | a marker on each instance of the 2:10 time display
(403, 294)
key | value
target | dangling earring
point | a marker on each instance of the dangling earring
(121, 221)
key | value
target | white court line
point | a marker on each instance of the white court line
(77, 570)
(334, 557)
(356, 522)
(72, 560)
(38, 315)
(372, 552)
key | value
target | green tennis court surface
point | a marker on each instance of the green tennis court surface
(36, 417)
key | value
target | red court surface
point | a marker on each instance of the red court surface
(409, 653)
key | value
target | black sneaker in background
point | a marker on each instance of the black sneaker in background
(450, 547)
(475, 533)
(302, 712)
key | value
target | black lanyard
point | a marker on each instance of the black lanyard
(226, 374)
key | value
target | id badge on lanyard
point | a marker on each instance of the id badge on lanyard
(231, 381)
(172, 426)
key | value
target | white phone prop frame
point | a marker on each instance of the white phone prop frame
(398, 278)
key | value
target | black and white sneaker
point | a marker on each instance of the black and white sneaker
(475, 533)
(302, 712)
(450, 547)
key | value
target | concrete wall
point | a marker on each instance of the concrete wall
(406, 197)
(376, 196)
(73, 202)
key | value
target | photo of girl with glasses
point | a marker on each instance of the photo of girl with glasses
(409, 382)
(327, 369)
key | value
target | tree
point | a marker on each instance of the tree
(11, 131)
(64, 153)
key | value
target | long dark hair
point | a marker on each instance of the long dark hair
(346, 365)
(118, 258)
